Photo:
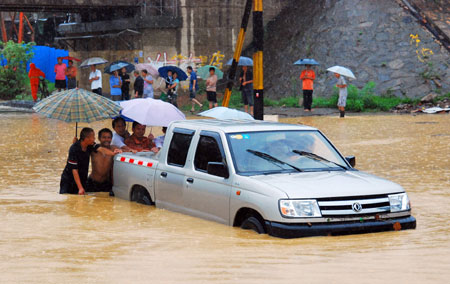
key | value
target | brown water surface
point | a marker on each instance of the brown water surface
(49, 238)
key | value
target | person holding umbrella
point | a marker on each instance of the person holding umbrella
(173, 88)
(246, 79)
(148, 84)
(339, 73)
(342, 101)
(307, 76)
(95, 78)
(75, 174)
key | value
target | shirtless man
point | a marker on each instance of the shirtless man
(100, 178)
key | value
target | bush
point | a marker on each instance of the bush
(13, 76)
(363, 99)
(288, 102)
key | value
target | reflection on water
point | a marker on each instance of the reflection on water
(49, 238)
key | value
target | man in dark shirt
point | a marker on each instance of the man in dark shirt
(138, 85)
(246, 79)
(74, 176)
(125, 84)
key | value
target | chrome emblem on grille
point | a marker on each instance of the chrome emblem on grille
(356, 207)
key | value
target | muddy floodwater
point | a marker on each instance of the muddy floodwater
(50, 238)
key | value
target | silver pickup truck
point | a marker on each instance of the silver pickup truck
(281, 179)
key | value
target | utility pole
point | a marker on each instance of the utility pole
(4, 34)
(258, 39)
(258, 75)
(20, 37)
(237, 53)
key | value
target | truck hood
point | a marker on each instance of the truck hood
(329, 184)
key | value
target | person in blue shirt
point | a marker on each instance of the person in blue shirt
(193, 88)
(115, 84)
(173, 88)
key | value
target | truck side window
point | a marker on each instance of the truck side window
(207, 151)
(178, 149)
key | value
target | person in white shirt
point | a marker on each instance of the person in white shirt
(95, 78)
(120, 134)
(342, 101)
(159, 141)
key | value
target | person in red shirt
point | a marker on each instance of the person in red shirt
(307, 76)
(137, 141)
(34, 75)
(60, 78)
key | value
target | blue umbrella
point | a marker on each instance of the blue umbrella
(181, 74)
(306, 61)
(117, 65)
(243, 61)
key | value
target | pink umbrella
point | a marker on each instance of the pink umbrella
(149, 67)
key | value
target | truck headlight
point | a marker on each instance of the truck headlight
(399, 202)
(299, 208)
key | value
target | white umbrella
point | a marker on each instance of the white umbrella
(151, 112)
(149, 67)
(342, 70)
(93, 61)
(226, 113)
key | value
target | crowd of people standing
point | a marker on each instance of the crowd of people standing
(143, 85)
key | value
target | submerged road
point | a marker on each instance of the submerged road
(50, 238)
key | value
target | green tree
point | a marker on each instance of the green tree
(13, 75)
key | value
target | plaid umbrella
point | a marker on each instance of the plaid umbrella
(77, 105)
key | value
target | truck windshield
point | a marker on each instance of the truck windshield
(269, 152)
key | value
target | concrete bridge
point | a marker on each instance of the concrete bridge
(74, 6)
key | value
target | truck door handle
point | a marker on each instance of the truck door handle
(164, 174)
(190, 180)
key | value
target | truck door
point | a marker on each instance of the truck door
(207, 195)
(170, 175)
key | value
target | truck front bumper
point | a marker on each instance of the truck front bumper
(297, 230)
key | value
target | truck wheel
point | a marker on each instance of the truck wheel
(252, 223)
(141, 196)
(145, 199)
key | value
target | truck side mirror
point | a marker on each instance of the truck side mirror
(218, 169)
(351, 160)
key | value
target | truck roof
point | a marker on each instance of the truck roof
(232, 126)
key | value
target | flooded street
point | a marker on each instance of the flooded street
(51, 238)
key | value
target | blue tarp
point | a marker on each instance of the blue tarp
(45, 59)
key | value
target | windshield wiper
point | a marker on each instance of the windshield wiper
(317, 158)
(272, 159)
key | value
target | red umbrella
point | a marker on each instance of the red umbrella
(70, 58)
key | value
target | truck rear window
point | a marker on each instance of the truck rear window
(178, 149)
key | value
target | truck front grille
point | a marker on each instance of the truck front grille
(354, 206)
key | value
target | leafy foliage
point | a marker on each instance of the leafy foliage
(13, 75)
(363, 99)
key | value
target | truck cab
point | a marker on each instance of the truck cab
(281, 179)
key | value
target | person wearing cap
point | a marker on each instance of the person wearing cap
(71, 73)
